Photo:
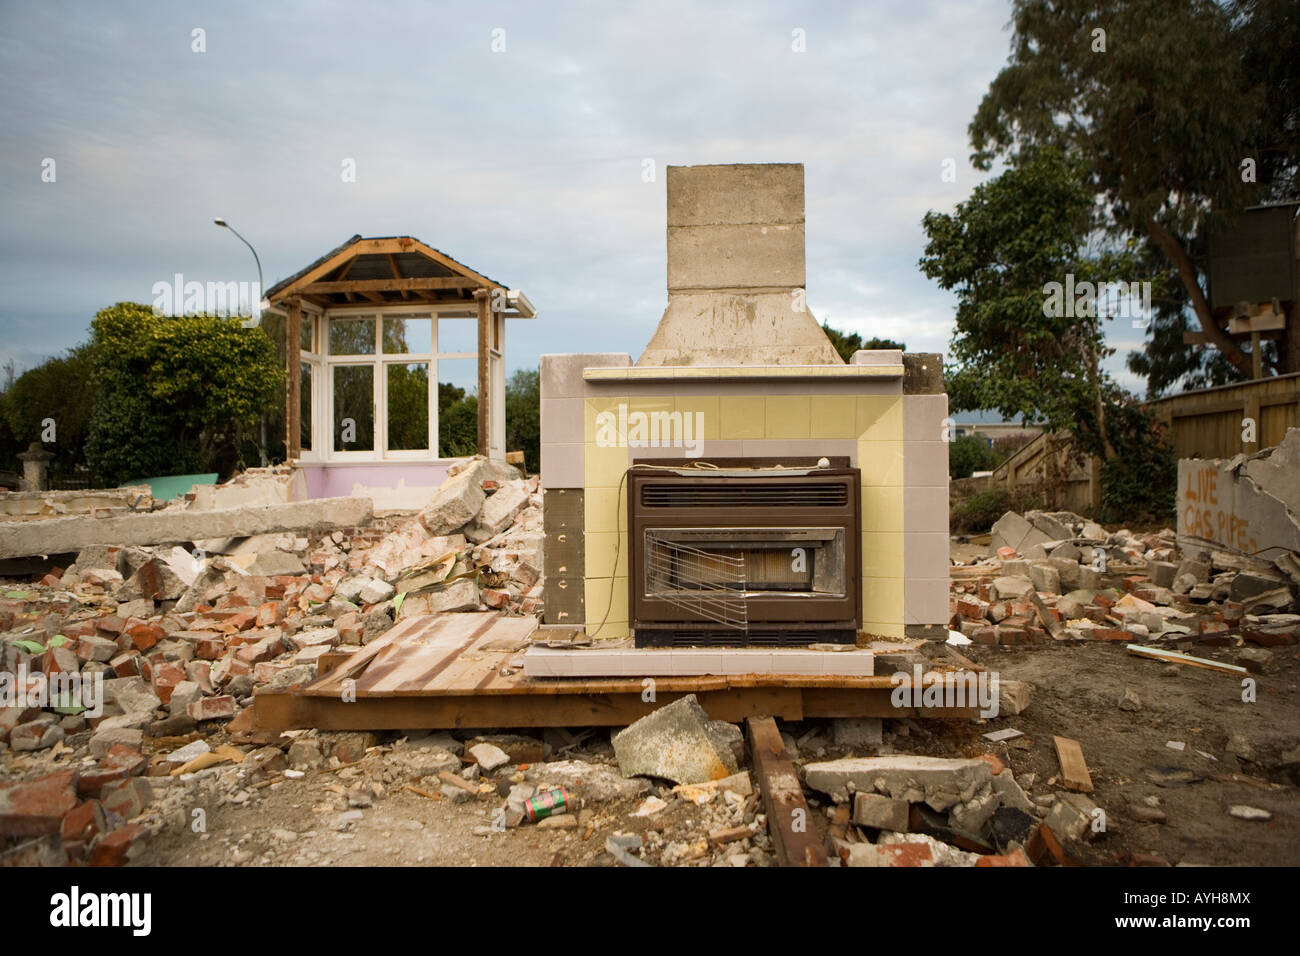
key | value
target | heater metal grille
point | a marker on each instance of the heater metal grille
(710, 584)
(765, 494)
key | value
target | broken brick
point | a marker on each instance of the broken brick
(213, 708)
(37, 807)
(125, 799)
(1015, 858)
(84, 822)
(113, 848)
(143, 634)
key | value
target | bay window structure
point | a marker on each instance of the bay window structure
(377, 331)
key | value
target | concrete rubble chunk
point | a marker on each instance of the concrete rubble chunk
(460, 595)
(1045, 578)
(1011, 794)
(498, 511)
(857, 731)
(1013, 531)
(674, 742)
(1071, 816)
(455, 504)
(971, 815)
(939, 782)
(489, 756)
(1009, 587)
(35, 735)
(591, 781)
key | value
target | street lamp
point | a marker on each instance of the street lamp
(260, 287)
(262, 304)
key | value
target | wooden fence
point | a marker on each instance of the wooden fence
(1210, 423)
(1071, 482)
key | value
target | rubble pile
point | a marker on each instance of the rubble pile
(1058, 576)
(176, 640)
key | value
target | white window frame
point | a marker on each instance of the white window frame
(323, 364)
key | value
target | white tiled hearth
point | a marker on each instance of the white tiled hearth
(628, 661)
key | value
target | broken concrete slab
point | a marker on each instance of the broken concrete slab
(455, 504)
(939, 782)
(1013, 531)
(590, 781)
(676, 743)
(60, 535)
(498, 511)
(1248, 505)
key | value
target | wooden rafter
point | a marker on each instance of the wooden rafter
(420, 284)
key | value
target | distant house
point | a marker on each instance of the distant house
(367, 326)
(992, 431)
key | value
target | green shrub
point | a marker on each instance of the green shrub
(967, 455)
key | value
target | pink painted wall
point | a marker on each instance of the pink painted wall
(332, 481)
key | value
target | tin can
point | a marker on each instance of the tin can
(548, 804)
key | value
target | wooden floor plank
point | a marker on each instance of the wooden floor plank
(794, 834)
(1074, 769)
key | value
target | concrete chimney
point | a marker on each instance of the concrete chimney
(736, 271)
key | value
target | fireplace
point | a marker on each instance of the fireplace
(740, 484)
(744, 552)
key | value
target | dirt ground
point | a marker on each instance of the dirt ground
(1235, 752)
(1076, 692)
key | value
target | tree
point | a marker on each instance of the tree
(175, 394)
(457, 423)
(1163, 102)
(524, 417)
(846, 344)
(1016, 240)
(967, 455)
(58, 391)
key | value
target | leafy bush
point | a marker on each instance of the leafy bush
(1140, 483)
(175, 394)
(981, 512)
(524, 417)
(967, 455)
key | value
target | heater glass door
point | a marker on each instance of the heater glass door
(682, 564)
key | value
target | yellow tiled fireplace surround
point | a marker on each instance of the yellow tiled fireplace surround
(894, 439)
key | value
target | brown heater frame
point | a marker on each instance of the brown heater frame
(773, 617)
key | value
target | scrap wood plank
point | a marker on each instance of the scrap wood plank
(330, 681)
(421, 661)
(794, 835)
(1074, 769)
(1174, 657)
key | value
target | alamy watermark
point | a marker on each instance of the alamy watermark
(84, 692)
(966, 689)
(179, 297)
(624, 429)
(1087, 300)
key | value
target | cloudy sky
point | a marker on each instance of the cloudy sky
(526, 164)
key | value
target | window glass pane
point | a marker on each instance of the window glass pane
(408, 334)
(408, 406)
(304, 408)
(457, 407)
(352, 336)
(354, 408)
(457, 335)
(306, 342)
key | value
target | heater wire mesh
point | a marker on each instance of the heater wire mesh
(710, 584)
